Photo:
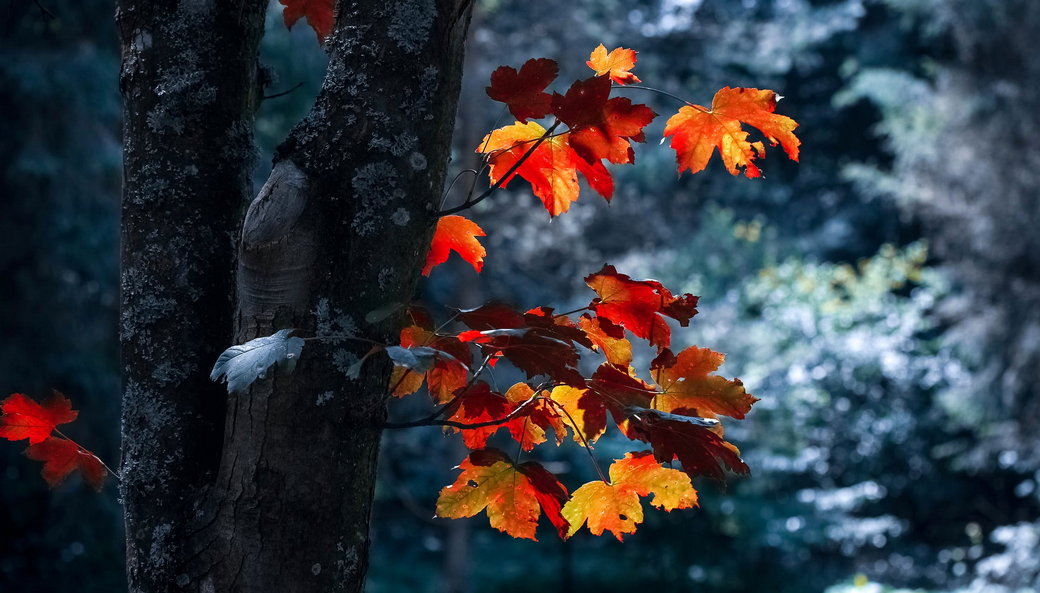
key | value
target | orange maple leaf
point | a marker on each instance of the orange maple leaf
(686, 383)
(608, 338)
(23, 418)
(697, 131)
(524, 92)
(320, 15)
(514, 495)
(551, 169)
(458, 234)
(615, 507)
(617, 64)
(61, 457)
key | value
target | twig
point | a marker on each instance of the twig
(462, 425)
(571, 312)
(283, 93)
(428, 421)
(470, 202)
(46, 13)
(660, 92)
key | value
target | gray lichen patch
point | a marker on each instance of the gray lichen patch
(410, 22)
(332, 321)
(374, 187)
(146, 416)
(417, 161)
(343, 359)
(384, 278)
(400, 217)
(324, 398)
(396, 146)
(416, 104)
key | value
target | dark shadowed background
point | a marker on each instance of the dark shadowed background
(882, 297)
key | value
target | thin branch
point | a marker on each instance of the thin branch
(475, 173)
(660, 92)
(462, 425)
(469, 203)
(283, 93)
(428, 421)
(46, 13)
(571, 312)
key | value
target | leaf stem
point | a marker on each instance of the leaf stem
(81, 448)
(660, 92)
(584, 442)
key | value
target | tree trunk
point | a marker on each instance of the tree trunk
(275, 494)
(190, 88)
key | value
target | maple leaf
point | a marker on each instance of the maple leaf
(458, 234)
(608, 338)
(536, 418)
(515, 495)
(478, 404)
(613, 389)
(686, 383)
(588, 424)
(61, 457)
(695, 442)
(491, 316)
(601, 127)
(639, 305)
(524, 92)
(552, 167)
(617, 64)
(616, 507)
(320, 15)
(531, 350)
(23, 418)
(697, 131)
(447, 374)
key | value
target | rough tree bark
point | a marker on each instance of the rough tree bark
(270, 490)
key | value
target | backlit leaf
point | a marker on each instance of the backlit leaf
(697, 131)
(458, 234)
(616, 507)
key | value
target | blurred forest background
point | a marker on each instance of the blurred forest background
(882, 297)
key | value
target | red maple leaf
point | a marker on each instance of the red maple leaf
(23, 418)
(639, 305)
(458, 234)
(601, 127)
(524, 92)
(695, 442)
(697, 131)
(320, 15)
(61, 457)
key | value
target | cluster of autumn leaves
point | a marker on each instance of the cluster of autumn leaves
(600, 129)
(676, 414)
(22, 418)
